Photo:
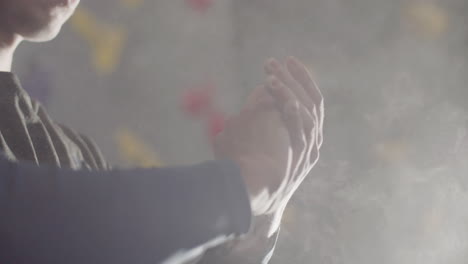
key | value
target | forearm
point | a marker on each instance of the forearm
(51, 215)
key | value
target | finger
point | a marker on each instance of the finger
(308, 135)
(311, 128)
(313, 154)
(302, 75)
(295, 126)
(300, 125)
(319, 112)
(279, 92)
(300, 72)
(260, 97)
(307, 165)
(309, 119)
(299, 122)
(274, 67)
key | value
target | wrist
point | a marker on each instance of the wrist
(259, 194)
(249, 176)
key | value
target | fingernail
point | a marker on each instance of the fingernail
(293, 64)
(273, 64)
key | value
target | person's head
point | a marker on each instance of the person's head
(35, 20)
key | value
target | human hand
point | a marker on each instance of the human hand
(277, 136)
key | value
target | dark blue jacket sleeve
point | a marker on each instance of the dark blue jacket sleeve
(51, 215)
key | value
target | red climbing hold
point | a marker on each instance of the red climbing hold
(200, 5)
(199, 100)
(216, 125)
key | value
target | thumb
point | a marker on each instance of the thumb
(260, 97)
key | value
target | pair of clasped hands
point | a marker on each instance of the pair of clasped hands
(276, 137)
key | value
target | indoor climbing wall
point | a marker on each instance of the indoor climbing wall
(125, 72)
(152, 81)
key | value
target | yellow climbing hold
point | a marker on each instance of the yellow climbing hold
(428, 18)
(106, 41)
(392, 151)
(135, 151)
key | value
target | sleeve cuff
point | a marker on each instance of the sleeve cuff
(237, 197)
